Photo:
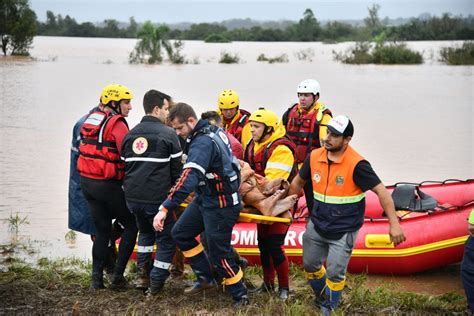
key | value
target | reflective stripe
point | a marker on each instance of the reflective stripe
(95, 119)
(177, 155)
(74, 149)
(236, 278)
(315, 275)
(235, 198)
(148, 159)
(161, 264)
(195, 166)
(336, 286)
(232, 179)
(145, 249)
(338, 199)
(277, 165)
(194, 251)
(210, 176)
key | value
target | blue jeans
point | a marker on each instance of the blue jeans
(147, 237)
(218, 225)
(467, 272)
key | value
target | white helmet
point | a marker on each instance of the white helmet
(309, 86)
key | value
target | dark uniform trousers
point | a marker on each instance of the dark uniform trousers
(166, 246)
(218, 224)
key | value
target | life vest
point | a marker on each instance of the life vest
(99, 157)
(303, 129)
(223, 182)
(237, 124)
(339, 204)
(258, 161)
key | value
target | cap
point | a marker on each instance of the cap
(341, 125)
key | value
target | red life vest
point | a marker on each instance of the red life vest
(258, 161)
(237, 124)
(99, 157)
(303, 130)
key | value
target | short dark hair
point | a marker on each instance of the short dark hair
(212, 115)
(154, 98)
(182, 112)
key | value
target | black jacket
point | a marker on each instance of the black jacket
(152, 155)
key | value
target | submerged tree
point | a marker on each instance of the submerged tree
(17, 26)
(151, 41)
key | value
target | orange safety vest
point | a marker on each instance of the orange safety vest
(99, 157)
(339, 204)
(303, 129)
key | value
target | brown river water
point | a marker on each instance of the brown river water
(413, 123)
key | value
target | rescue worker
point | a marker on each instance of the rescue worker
(215, 119)
(339, 177)
(79, 215)
(212, 172)
(467, 266)
(234, 118)
(305, 124)
(152, 156)
(270, 154)
(101, 171)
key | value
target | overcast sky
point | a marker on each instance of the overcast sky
(263, 10)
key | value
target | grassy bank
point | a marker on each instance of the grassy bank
(62, 286)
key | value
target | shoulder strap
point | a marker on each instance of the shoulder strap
(284, 119)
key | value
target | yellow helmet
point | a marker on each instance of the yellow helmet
(115, 92)
(267, 117)
(228, 99)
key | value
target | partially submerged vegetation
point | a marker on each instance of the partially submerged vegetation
(380, 53)
(62, 286)
(229, 58)
(152, 40)
(458, 55)
(283, 58)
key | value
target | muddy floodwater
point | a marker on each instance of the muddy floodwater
(413, 123)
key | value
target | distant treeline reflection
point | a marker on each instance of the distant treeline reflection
(308, 28)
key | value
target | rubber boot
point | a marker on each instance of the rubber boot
(318, 288)
(331, 301)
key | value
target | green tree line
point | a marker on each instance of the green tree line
(308, 28)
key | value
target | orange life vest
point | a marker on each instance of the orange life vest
(99, 157)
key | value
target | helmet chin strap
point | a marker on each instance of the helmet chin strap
(267, 131)
(115, 108)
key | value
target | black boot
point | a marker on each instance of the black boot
(97, 281)
(118, 282)
(264, 288)
(243, 301)
(201, 285)
(155, 287)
